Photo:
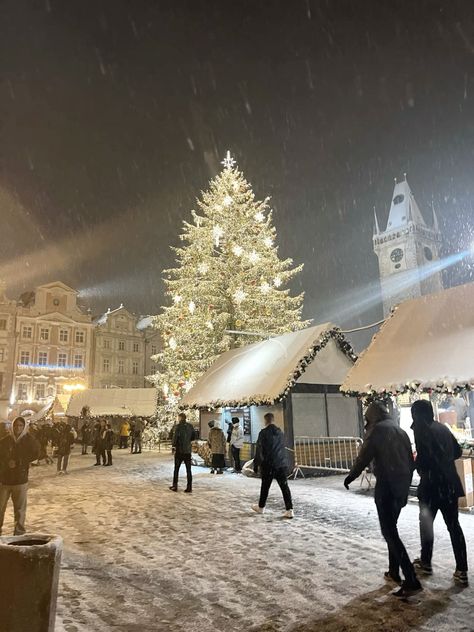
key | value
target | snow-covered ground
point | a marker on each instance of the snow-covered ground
(139, 557)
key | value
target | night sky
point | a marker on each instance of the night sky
(115, 114)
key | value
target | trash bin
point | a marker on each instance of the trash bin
(29, 574)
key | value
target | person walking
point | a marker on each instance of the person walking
(271, 459)
(182, 437)
(389, 447)
(17, 450)
(236, 442)
(439, 488)
(124, 432)
(108, 439)
(99, 445)
(138, 433)
(216, 441)
(66, 437)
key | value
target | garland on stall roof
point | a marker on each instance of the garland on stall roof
(414, 388)
(264, 400)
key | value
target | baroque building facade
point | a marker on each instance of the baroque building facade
(407, 250)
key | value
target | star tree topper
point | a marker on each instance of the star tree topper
(228, 161)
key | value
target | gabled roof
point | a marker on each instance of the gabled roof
(264, 372)
(123, 402)
(59, 284)
(101, 319)
(426, 344)
(403, 208)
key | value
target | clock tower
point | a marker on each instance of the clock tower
(407, 250)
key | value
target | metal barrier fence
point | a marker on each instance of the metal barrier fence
(334, 454)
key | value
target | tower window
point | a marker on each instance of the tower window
(398, 199)
(428, 253)
(396, 255)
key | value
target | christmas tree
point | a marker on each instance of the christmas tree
(228, 279)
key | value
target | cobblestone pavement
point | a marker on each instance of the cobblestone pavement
(139, 557)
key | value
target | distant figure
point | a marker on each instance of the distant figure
(65, 440)
(216, 441)
(139, 428)
(124, 432)
(85, 436)
(182, 437)
(236, 442)
(389, 447)
(99, 444)
(108, 439)
(271, 459)
(132, 435)
(17, 450)
(439, 488)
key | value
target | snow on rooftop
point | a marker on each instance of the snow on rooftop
(264, 372)
(126, 402)
(427, 343)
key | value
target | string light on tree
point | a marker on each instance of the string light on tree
(240, 296)
(277, 281)
(228, 200)
(177, 298)
(265, 287)
(254, 257)
(203, 268)
(238, 251)
(259, 216)
(268, 241)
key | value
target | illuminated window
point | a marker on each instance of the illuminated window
(24, 357)
(62, 359)
(44, 333)
(80, 337)
(78, 361)
(27, 332)
(63, 335)
(22, 391)
(40, 392)
(43, 358)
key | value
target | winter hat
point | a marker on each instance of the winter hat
(211, 423)
(235, 420)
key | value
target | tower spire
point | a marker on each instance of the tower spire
(376, 227)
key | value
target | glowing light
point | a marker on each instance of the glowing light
(259, 216)
(192, 306)
(268, 241)
(237, 250)
(254, 257)
(166, 389)
(73, 387)
(218, 233)
(265, 288)
(172, 343)
(228, 161)
(239, 296)
(209, 325)
(277, 281)
(177, 299)
(228, 200)
(203, 268)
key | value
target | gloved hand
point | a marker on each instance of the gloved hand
(347, 481)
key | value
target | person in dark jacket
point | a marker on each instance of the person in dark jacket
(182, 437)
(66, 436)
(439, 488)
(85, 436)
(99, 445)
(271, 459)
(108, 439)
(17, 450)
(389, 447)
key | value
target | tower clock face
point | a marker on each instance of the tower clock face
(428, 253)
(396, 255)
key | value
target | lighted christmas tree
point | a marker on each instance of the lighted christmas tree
(228, 278)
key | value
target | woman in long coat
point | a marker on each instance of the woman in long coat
(217, 444)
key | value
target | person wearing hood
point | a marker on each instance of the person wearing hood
(389, 447)
(236, 442)
(271, 459)
(17, 450)
(439, 488)
(217, 442)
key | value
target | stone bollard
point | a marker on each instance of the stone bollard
(29, 575)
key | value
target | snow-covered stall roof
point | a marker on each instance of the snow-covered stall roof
(122, 402)
(426, 344)
(264, 372)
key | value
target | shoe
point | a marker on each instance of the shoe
(220, 472)
(188, 491)
(392, 578)
(460, 577)
(289, 513)
(173, 488)
(65, 472)
(59, 473)
(96, 464)
(422, 567)
(212, 471)
(406, 590)
(257, 509)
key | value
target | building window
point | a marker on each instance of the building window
(59, 389)
(153, 349)
(43, 358)
(120, 366)
(78, 361)
(27, 332)
(24, 357)
(153, 367)
(22, 391)
(63, 335)
(40, 391)
(2, 354)
(44, 334)
(106, 343)
(62, 359)
(106, 365)
(3, 324)
(135, 368)
(121, 345)
(136, 347)
(80, 337)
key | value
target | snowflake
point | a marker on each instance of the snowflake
(228, 161)
(277, 281)
(177, 299)
(239, 296)
(265, 288)
(209, 325)
(192, 306)
(259, 216)
(228, 200)
(237, 250)
(217, 232)
(172, 343)
(203, 268)
(254, 257)
(268, 241)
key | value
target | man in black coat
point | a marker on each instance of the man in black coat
(271, 459)
(17, 450)
(182, 437)
(439, 488)
(389, 447)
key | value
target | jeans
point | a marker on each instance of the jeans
(62, 462)
(279, 474)
(388, 509)
(186, 459)
(236, 457)
(18, 495)
(138, 443)
(449, 509)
